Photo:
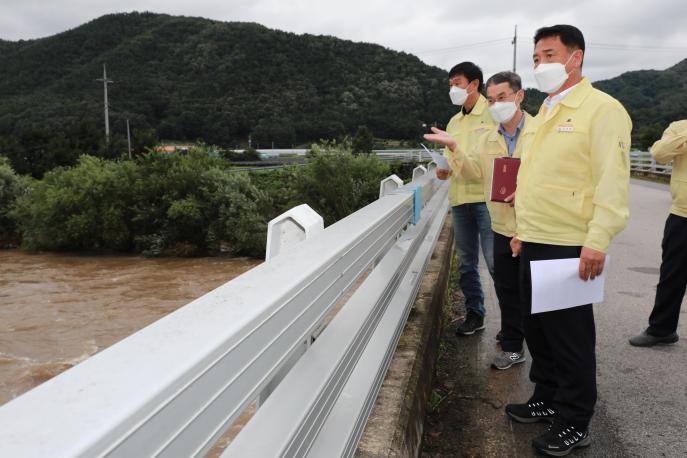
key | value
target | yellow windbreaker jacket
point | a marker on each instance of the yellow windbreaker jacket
(467, 129)
(480, 165)
(574, 177)
(673, 147)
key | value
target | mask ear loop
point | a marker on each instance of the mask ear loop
(568, 61)
(519, 104)
(466, 89)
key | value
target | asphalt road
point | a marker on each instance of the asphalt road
(642, 406)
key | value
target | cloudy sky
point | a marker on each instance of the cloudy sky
(621, 35)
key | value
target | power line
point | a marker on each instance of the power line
(631, 47)
(480, 44)
(599, 46)
(624, 47)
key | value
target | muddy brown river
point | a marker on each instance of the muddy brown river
(57, 310)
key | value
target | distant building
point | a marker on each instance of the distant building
(172, 149)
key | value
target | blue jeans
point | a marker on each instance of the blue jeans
(472, 227)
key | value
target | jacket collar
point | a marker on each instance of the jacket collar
(494, 135)
(478, 109)
(575, 98)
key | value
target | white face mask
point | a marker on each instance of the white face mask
(458, 95)
(503, 112)
(550, 77)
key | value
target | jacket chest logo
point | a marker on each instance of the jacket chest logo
(566, 127)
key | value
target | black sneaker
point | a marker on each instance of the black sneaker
(473, 322)
(561, 439)
(532, 412)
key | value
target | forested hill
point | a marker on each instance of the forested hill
(654, 99)
(191, 78)
(182, 78)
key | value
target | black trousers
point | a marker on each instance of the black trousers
(507, 285)
(673, 280)
(562, 344)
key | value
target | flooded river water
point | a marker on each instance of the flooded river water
(57, 310)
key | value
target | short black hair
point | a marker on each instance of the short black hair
(512, 78)
(470, 71)
(569, 35)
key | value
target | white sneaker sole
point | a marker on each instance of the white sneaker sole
(583, 443)
(469, 333)
(510, 365)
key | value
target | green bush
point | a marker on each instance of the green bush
(87, 207)
(11, 187)
(335, 182)
(363, 141)
(250, 154)
(180, 205)
(195, 204)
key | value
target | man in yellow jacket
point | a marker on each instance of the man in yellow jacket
(471, 223)
(673, 279)
(571, 200)
(504, 96)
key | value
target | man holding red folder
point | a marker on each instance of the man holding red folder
(500, 146)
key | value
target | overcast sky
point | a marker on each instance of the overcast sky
(621, 35)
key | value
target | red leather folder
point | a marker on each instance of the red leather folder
(504, 178)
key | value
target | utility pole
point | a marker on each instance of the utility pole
(128, 137)
(515, 46)
(107, 115)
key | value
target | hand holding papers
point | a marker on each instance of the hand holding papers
(440, 160)
(444, 138)
(556, 285)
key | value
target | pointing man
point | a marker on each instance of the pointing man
(471, 223)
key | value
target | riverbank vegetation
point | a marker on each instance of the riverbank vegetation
(183, 205)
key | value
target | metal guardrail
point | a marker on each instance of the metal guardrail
(265, 168)
(403, 155)
(173, 388)
(641, 161)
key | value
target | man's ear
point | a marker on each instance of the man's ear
(579, 58)
(520, 96)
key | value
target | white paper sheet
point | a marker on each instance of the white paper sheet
(556, 285)
(440, 159)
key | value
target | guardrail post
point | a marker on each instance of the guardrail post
(292, 227)
(389, 184)
(288, 229)
(431, 166)
(419, 171)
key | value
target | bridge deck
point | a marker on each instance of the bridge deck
(642, 392)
